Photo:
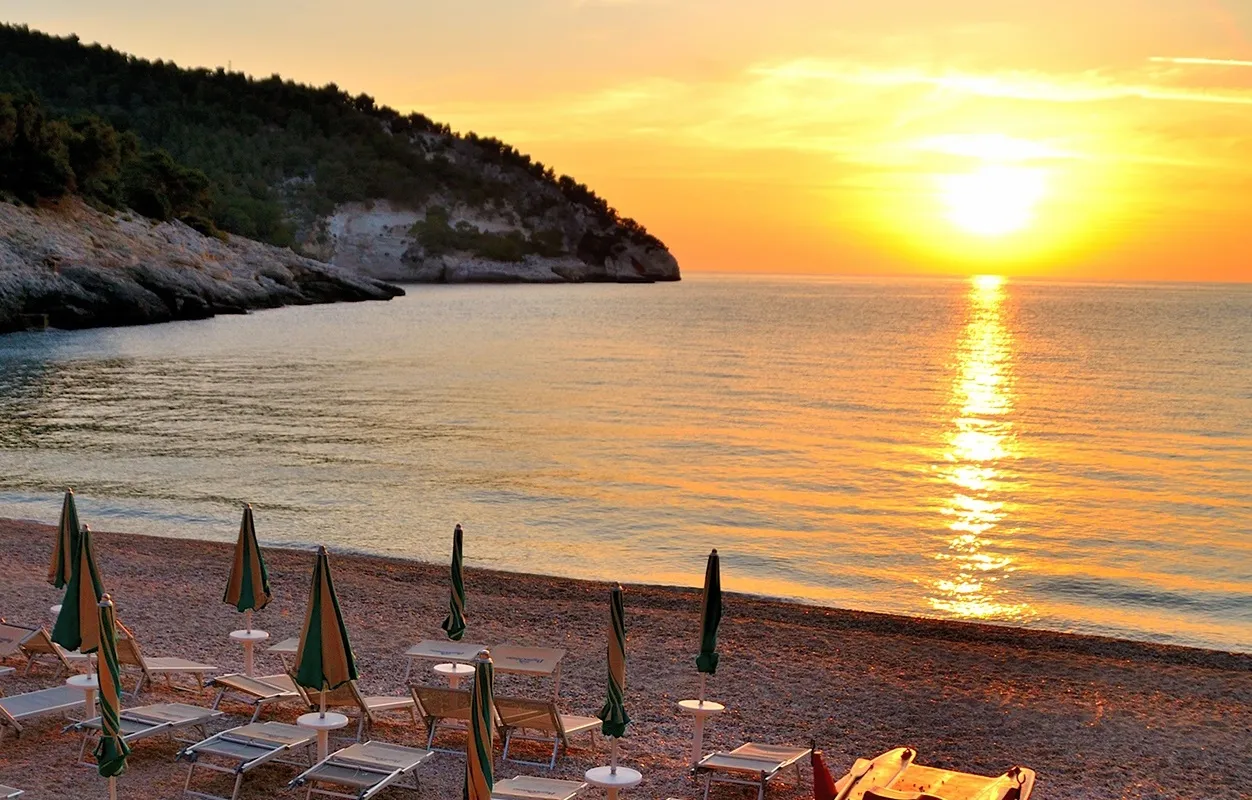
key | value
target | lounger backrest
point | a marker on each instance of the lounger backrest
(436, 702)
(128, 648)
(535, 715)
(12, 637)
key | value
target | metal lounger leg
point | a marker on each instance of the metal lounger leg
(238, 785)
(556, 744)
(708, 778)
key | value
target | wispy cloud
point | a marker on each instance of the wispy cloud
(1211, 62)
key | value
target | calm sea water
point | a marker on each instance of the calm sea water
(1070, 457)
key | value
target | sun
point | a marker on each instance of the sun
(993, 200)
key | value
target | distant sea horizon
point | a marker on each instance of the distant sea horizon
(1063, 455)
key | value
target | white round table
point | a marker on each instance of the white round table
(323, 724)
(248, 639)
(87, 684)
(454, 673)
(613, 782)
(699, 709)
(55, 611)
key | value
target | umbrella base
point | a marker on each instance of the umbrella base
(613, 782)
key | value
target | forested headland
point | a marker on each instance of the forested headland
(271, 159)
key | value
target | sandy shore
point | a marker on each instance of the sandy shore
(1096, 718)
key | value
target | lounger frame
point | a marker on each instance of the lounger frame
(433, 705)
(768, 769)
(258, 692)
(355, 759)
(245, 748)
(15, 708)
(543, 716)
(137, 725)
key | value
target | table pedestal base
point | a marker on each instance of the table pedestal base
(248, 639)
(700, 710)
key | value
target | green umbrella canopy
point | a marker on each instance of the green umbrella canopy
(67, 541)
(78, 625)
(613, 716)
(710, 615)
(248, 587)
(479, 753)
(454, 624)
(111, 750)
(324, 659)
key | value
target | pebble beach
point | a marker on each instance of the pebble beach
(1094, 717)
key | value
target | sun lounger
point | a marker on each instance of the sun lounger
(519, 715)
(750, 765)
(363, 768)
(147, 721)
(18, 707)
(913, 781)
(129, 654)
(527, 788)
(258, 692)
(34, 644)
(437, 706)
(243, 749)
(8, 792)
(287, 647)
(366, 709)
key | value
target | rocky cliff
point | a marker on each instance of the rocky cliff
(70, 266)
(392, 243)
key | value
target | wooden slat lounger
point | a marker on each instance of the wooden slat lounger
(18, 707)
(527, 788)
(750, 765)
(8, 792)
(519, 715)
(154, 720)
(364, 768)
(258, 692)
(245, 748)
(437, 705)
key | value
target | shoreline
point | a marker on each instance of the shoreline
(953, 630)
(1095, 717)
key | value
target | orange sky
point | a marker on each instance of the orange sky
(1070, 138)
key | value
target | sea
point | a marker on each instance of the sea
(1074, 457)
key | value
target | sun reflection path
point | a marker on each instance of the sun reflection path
(979, 443)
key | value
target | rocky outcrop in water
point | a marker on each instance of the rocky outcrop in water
(70, 266)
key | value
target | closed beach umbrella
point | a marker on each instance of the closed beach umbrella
(78, 625)
(248, 587)
(324, 659)
(710, 618)
(479, 747)
(67, 540)
(454, 625)
(112, 750)
(613, 717)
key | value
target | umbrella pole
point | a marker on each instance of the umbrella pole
(247, 623)
(112, 788)
(703, 677)
(613, 757)
(323, 701)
